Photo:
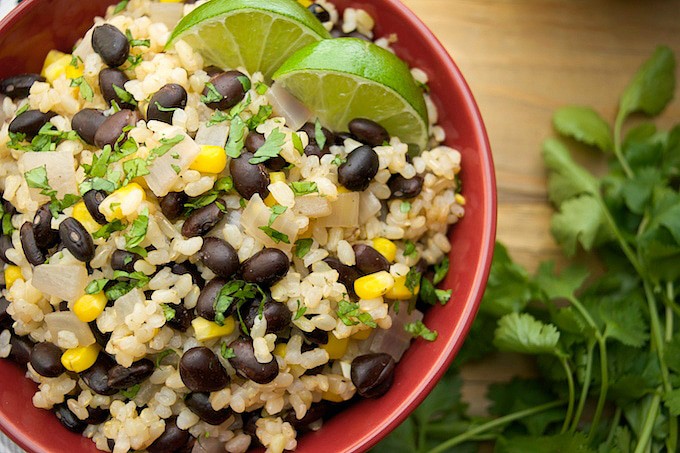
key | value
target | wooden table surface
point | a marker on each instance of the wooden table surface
(523, 59)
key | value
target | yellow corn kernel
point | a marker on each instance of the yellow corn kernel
(123, 202)
(280, 349)
(52, 56)
(62, 66)
(343, 189)
(460, 199)
(81, 358)
(306, 3)
(82, 215)
(399, 291)
(207, 330)
(362, 334)
(88, 307)
(373, 285)
(12, 274)
(211, 159)
(387, 248)
(275, 176)
(335, 347)
(333, 397)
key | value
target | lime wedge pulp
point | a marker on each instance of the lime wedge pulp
(254, 34)
(346, 78)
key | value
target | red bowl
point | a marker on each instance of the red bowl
(37, 26)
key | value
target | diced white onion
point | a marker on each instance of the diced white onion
(61, 174)
(256, 214)
(286, 105)
(215, 135)
(67, 321)
(65, 281)
(313, 206)
(345, 211)
(395, 340)
(168, 13)
(162, 172)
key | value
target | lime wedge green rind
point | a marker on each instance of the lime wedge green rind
(252, 34)
(345, 78)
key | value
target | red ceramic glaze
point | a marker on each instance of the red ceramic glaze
(37, 26)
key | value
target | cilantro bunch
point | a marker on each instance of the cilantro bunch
(602, 335)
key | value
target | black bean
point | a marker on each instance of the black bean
(250, 424)
(313, 148)
(202, 220)
(421, 266)
(246, 364)
(122, 260)
(182, 319)
(5, 245)
(19, 86)
(110, 78)
(45, 236)
(120, 377)
(369, 260)
(230, 85)
(359, 169)
(316, 336)
(46, 360)
(93, 199)
(30, 122)
(314, 413)
(8, 207)
(111, 44)
(21, 349)
(205, 306)
(96, 377)
(249, 179)
(199, 404)
(101, 337)
(63, 306)
(171, 440)
(219, 256)
(372, 374)
(33, 254)
(347, 275)
(86, 122)
(172, 205)
(163, 104)
(337, 32)
(5, 318)
(201, 371)
(76, 239)
(405, 188)
(212, 70)
(187, 268)
(69, 419)
(254, 141)
(320, 12)
(96, 415)
(277, 315)
(111, 130)
(369, 132)
(266, 267)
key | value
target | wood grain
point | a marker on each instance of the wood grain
(523, 59)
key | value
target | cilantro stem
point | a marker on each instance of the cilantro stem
(586, 386)
(618, 126)
(604, 371)
(572, 393)
(474, 432)
(650, 419)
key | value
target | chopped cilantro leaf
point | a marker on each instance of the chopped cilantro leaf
(405, 207)
(297, 143)
(271, 148)
(168, 312)
(350, 314)
(418, 329)
(245, 82)
(302, 247)
(227, 352)
(137, 232)
(108, 229)
(261, 88)
(85, 89)
(277, 210)
(276, 235)
(260, 117)
(120, 6)
(319, 136)
(440, 271)
(136, 42)
(413, 280)
(301, 309)
(212, 96)
(124, 95)
(303, 187)
(165, 109)
(410, 249)
(237, 137)
(131, 392)
(162, 355)
(96, 286)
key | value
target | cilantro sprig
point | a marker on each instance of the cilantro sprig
(604, 339)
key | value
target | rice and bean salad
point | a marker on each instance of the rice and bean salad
(164, 282)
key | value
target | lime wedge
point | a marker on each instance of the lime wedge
(346, 78)
(254, 34)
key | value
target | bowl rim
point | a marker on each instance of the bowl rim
(489, 216)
